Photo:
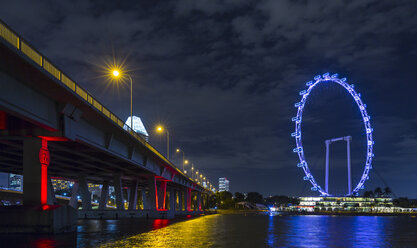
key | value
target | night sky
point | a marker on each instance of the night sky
(223, 77)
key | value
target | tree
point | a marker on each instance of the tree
(239, 197)
(403, 202)
(368, 193)
(387, 191)
(255, 197)
(378, 192)
(224, 200)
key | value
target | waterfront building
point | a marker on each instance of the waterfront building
(345, 203)
(223, 184)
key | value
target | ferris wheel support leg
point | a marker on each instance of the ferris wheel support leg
(348, 167)
(327, 166)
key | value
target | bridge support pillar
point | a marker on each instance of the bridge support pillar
(133, 199)
(85, 193)
(151, 197)
(187, 199)
(104, 195)
(119, 192)
(161, 194)
(172, 200)
(198, 201)
(32, 172)
(35, 215)
(180, 207)
(144, 199)
(74, 196)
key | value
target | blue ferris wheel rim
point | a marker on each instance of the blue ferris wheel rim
(298, 134)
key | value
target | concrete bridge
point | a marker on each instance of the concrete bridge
(52, 127)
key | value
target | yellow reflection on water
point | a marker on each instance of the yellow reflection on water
(196, 232)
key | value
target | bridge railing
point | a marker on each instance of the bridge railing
(20, 44)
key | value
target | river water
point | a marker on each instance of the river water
(234, 231)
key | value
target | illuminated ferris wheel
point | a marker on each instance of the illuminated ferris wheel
(327, 78)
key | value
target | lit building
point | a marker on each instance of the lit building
(223, 184)
(345, 203)
(15, 182)
(60, 184)
(138, 127)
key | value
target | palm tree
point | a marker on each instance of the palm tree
(387, 191)
(368, 193)
(378, 192)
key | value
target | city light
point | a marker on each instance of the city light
(116, 73)
(161, 129)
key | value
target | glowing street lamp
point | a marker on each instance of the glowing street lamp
(117, 75)
(183, 158)
(160, 129)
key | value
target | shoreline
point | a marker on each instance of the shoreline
(282, 213)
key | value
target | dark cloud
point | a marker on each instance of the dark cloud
(224, 75)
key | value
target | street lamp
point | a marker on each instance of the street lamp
(160, 129)
(192, 171)
(184, 161)
(116, 73)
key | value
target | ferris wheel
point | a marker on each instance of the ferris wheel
(327, 78)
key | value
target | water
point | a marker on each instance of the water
(234, 231)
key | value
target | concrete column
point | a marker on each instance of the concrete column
(51, 193)
(133, 199)
(74, 196)
(172, 200)
(161, 194)
(119, 192)
(187, 199)
(85, 193)
(104, 196)
(198, 201)
(32, 171)
(144, 199)
(180, 202)
(151, 197)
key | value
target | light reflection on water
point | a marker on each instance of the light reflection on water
(280, 231)
(233, 231)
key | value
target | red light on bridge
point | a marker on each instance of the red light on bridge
(3, 120)
(44, 159)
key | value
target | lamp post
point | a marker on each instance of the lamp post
(161, 129)
(192, 171)
(184, 161)
(117, 74)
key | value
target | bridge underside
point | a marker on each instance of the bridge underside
(51, 127)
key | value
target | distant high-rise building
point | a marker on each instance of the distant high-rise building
(223, 184)
(15, 181)
(4, 180)
(60, 184)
